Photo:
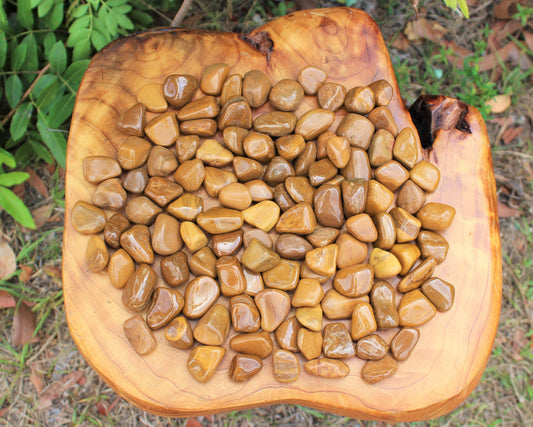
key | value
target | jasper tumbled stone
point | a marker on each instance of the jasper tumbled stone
(166, 304)
(331, 96)
(96, 254)
(213, 327)
(151, 96)
(432, 244)
(190, 174)
(354, 194)
(362, 228)
(360, 100)
(162, 191)
(163, 129)
(277, 171)
(323, 236)
(213, 153)
(204, 360)
(275, 123)
(259, 146)
(161, 161)
(308, 293)
(257, 257)
(385, 264)
(236, 112)
(283, 276)
(377, 370)
(436, 216)
(201, 294)
(141, 210)
(220, 220)
(407, 254)
(135, 180)
(383, 299)
(287, 334)
(256, 87)
(311, 78)
(227, 243)
(290, 146)
(417, 275)
(286, 95)
(136, 242)
(256, 343)
(363, 320)
(87, 218)
(327, 368)
(139, 335)
(371, 347)
(300, 219)
(230, 276)
(166, 238)
(213, 78)
(309, 343)
(286, 366)
(405, 148)
(415, 309)
(203, 263)
(175, 269)
(132, 120)
(439, 292)
(299, 189)
(323, 260)
(245, 316)
(187, 207)
(337, 342)
(244, 366)
(120, 268)
(179, 333)
(328, 206)
(358, 166)
(109, 194)
(114, 227)
(336, 306)
(354, 281)
(133, 152)
(138, 290)
(99, 168)
(292, 247)
(314, 122)
(310, 317)
(274, 305)
(404, 342)
(178, 89)
(351, 251)
(231, 88)
(358, 129)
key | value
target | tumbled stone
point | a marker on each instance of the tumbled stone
(190, 174)
(200, 127)
(259, 146)
(305, 159)
(254, 282)
(109, 194)
(411, 197)
(323, 260)
(213, 327)
(291, 246)
(287, 334)
(357, 129)
(286, 366)
(233, 137)
(382, 118)
(407, 254)
(259, 190)
(323, 236)
(213, 78)
(187, 207)
(336, 306)
(136, 180)
(300, 219)
(235, 112)
(391, 174)
(360, 100)
(256, 233)
(141, 210)
(194, 238)
(425, 175)
(257, 343)
(200, 295)
(227, 243)
(286, 95)
(327, 368)
(377, 370)
(99, 168)
(380, 149)
(231, 88)
(354, 281)
(439, 292)
(406, 149)
(179, 89)
(244, 366)
(328, 206)
(351, 251)
(432, 244)
(96, 254)
(386, 265)
(138, 290)
(308, 293)
(290, 146)
(337, 342)
(383, 299)
(132, 120)
(175, 269)
(120, 268)
(256, 87)
(87, 218)
(133, 152)
(151, 96)
(230, 276)
(386, 230)
(203, 263)
(247, 169)
(354, 194)
(309, 343)
(311, 78)
(139, 335)
(204, 360)
(436, 216)
(219, 220)
(403, 343)
(310, 317)
(274, 305)
(186, 146)
(418, 275)
(162, 191)
(371, 347)
(212, 153)
(362, 228)
(245, 316)
(275, 123)
(136, 242)
(358, 167)
(363, 320)
(258, 258)
(166, 238)
(161, 161)
(163, 129)
(179, 333)
(283, 276)
(331, 96)
(415, 309)
(314, 122)
(235, 196)
(166, 304)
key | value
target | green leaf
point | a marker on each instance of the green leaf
(94, 3)
(13, 178)
(45, 6)
(16, 208)
(4, 23)
(6, 158)
(80, 10)
(99, 40)
(141, 18)
(58, 58)
(55, 18)
(110, 21)
(32, 57)
(75, 72)
(82, 49)
(115, 3)
(78, 35)
(24, 13)
(18, 56)
(41, 151)
(3, 49)
(121, 10)
(20, 121)
(13, 90)
(464, 8)
(48, 94)
(125, 22)
(61, 110)
(79, 24)
(48, 42)
(55, 141)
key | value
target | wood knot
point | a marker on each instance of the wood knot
(431, 113)
(260, 41)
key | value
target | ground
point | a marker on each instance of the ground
(48, 382)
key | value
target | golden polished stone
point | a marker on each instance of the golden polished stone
(200, 295)
(309, 343)
(286, 366)
(204, 360)
(327, 368)
(245, 316)
(363, 320)
(230, 276)
(244, 366)
(99, 168)
(336, 306)
(163, 129)
(314, 122)
(179, 333)
(386, 265)
(377, 370)
(151, 96)
(403, 343)
(259, 258)
(417, 275)
(287, 334)
(136, 242)
(166, 238)
(362, 228)
(213, 327)
(274, 305)
(212, 153)
(415, 309)
(231, 88)
(220, 220)
(308, 293)
(203, 263)
(354, 281)
(138, 289)
(166, 305)
(120, 268)
(87, 218)
(283, 276)
(311, 78)
(190, 174)
(235, 196)
(213, 78)
(256, 343)
(300, 219)
(109, 194)
(263, 215)
(192, 236)
(323, 260)
(139, 335)
(310, 317)
(96, 254)
(383, 299)
(337, 342)
(179, 89)
(132, 120)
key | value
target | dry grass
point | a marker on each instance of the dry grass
(505, 393)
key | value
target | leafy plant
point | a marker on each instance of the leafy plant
(45, 47)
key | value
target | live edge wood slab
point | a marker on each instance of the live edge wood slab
(454, 346)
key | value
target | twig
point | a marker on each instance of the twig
(28, 91)
(184, 8)
(514, 153)
(153, 9)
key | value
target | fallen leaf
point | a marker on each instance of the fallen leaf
(53, 272)
(54, 390)
(37, 380)
(511, 133)
(23, 326)
(425, 29)
(505, 211)
(42, 215)
(19, 190)
(510, 52)
(6, 300)
(519, 342)
(104, 409)
(400, 42)
(3, 411)
(505, 9)
(528, 38)
(8, 261)
(193, 422)
(25, 273)
(37, 183)
(499, 103)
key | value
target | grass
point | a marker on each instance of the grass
(504, 396)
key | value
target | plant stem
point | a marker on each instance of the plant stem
(28, 91)
(184, 8)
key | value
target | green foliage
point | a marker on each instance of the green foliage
(45, 46)
(463, 6)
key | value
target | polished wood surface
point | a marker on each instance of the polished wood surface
(454, 346)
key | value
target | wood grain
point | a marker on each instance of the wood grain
(454, 347)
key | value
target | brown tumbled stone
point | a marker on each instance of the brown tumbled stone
(256, 343)
(175, 269)
(362, 228)
(283, 276)
(377, 370)
(163, 129)
(331, 96)
(314, 122)
(141, 210)
(96, 254)
(386, 230)
(336, 306)
(245, 316)
(247, 169)
(411, 197)
(87, 218)
(351, 251)
(286, 366)
(139, 335)
(136, 180)
(308, 293)
(166, 238)
(436, 216)
(309, 343)
(230, 276)
(425, 175)
(136, 242)
(256, 87)
(244, 366)
(286, 95)
(386, 265)
(178, 89)
(287, 334)
(323, 236)
(363, 320)
(360, 100)
(161, 161)
(439, 292)
(275, 123)
(120, 268)
(391, 174)
(354, 194)
(193, 237)
(321, 171)
(213, 327)
(404, 342)
(99, 168)
(186, 207)
(432, 244)
(380, 149)
(162, 191)
(190, 174)
(311, 78)
(300, 219)
(259, 146)
(291, 246)
(358, 167)
(354, 281)
(179, 333)
(151, 95)
(310, 317)
(236, 112)
(382, 297)
(290, 146)
(200, 127)
(407, 254)
(417, 275)
(200, 295)
(132, 120)
(327, 368)
(274, 305)
(415, 309)
(300, 189)
(213, 78)
(233, 137)
(405, 148)
(231, 88)
(219, 220)
(203, 263)
(109, 194)
(277, 171)
(256, 233)
(259, 190)
(138, 290)
(358, 129)
(133, 152)
(186, 146)
(382, 118)
(306, 159)
(371, 347)
(323, 260)
(258, 258)
(227, 243)
(328, 206)
(337, 342)
(203, 361)
(379, 198)
(216, 179)
(212, 153)
(166, 304)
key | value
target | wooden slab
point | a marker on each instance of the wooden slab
(454, 347)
